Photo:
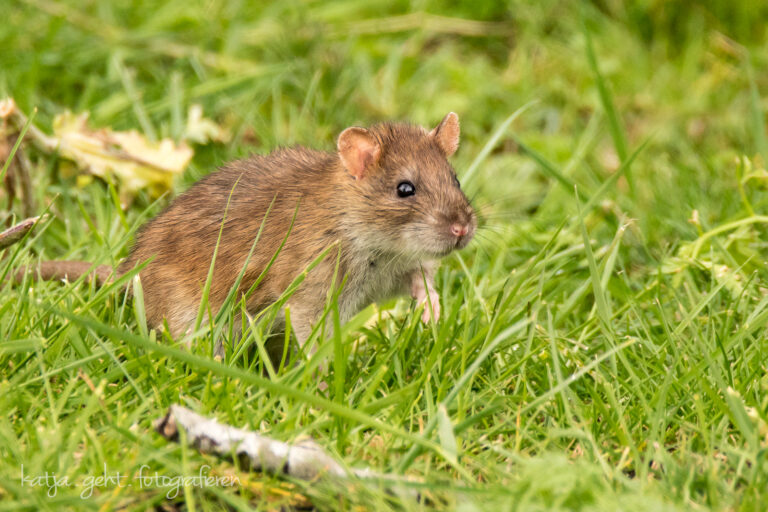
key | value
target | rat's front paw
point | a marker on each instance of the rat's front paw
(434, 300)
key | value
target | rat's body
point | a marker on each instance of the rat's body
(388, 204)
(181, 241)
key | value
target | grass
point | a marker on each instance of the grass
(603, 341)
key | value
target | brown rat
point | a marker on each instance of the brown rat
(388, 200)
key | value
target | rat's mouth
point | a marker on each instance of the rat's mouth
(453, 244)
(462, 242)
(435, 242)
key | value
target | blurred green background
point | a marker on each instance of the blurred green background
(278, 73)
(654, 299)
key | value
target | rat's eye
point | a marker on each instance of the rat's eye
(405, 189)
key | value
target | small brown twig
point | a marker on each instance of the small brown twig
(18, 176)
(15, 233)
(305, 460)
(23, 173)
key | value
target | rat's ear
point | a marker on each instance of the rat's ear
(446, 134)
(358, 150)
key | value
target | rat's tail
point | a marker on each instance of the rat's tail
(66, 270)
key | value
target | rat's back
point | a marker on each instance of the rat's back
(226, 208)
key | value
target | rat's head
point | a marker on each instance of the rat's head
(407, 197)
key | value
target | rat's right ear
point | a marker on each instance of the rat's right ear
(358, 150)
(446, 134)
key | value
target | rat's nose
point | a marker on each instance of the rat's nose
(459, 230)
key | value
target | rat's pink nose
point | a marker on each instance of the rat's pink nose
(459, 230)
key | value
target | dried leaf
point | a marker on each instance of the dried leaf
(201, 130)
(137, 162)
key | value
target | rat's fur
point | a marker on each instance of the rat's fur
(384, 244)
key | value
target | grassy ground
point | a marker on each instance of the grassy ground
(603, 344)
